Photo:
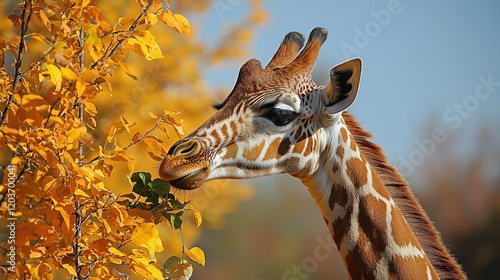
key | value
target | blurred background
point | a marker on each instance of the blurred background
(430, 67)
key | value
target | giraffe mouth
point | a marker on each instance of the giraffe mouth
(190, 181)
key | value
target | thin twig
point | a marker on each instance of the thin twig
(80, 105)
(132, 143)
(120, 41)
(17, 66)
(39, 61)
(50, 111)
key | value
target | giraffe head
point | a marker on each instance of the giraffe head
(271, 121)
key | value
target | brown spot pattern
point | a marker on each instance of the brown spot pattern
(379, 186)
(284, 146)
(357, 172)
(362, 260)
(401, 231)
(232, 151)
(341, 226)
(271, 150)
(340, 152)
(407, 268)
(335, 168)
(299, 147)
(372, 214)
(343, 132)
(338, 196)
(352, 144)
(253, 154)
(224, 131)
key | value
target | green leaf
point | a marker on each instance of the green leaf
(175, 220)
(140, 189)
(161, 187)
(170, 262)
(142, 182)
(177, 204)
(141, 177)
(152, 197)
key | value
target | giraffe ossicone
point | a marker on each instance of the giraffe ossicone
(277, 120)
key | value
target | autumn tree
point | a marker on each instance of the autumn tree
(80, 110)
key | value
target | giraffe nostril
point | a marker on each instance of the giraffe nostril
(184, 148)
(172, 149)
(187, 150)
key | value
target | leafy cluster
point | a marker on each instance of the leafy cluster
(79, 82)
(56, 59)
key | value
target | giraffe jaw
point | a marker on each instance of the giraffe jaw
(190, 181)
(182, 173)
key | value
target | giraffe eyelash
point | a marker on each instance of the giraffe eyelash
(219, 98)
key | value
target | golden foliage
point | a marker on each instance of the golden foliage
(86, 89)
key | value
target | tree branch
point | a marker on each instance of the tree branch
(81, 58)
(17, 66)
(132, 143)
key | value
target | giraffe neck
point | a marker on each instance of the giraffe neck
(370, 231)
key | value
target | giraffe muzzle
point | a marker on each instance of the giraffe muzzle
(184, 166)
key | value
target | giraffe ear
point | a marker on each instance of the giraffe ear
(342, 89)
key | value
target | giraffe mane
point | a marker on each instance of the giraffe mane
(399, 189)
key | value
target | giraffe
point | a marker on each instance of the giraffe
(277, 120)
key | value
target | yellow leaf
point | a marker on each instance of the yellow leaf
(93, 40)
(8, 130)
(107, 227)
(29, 100)
(90, 108)
(36, 254)
(89, 76)
(64, 214)
(182, 271)
(178, 22)
(68, 74)
(55, 75)
(44, 19)
(154, 147)
(155, 271)
(75, 133)
(93, 123)
(144, 43)
(184, 23)
(136, 137)
(16, 161)
(197, 217)
(80, 192)
(70, 269)
(152, 115)
(126, 124)
(120, 53)
(115, 251)
(123, 156)
(101, 153)
(85, 3)
(41, 38)
(114, 260)
(80, 87)
(196, 254)
(151, 19)
(125, 69)
(146, 235)
(44, 271)
(125, 20)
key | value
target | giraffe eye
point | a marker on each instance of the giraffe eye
(280, 117)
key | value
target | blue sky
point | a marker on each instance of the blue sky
(423, 61)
